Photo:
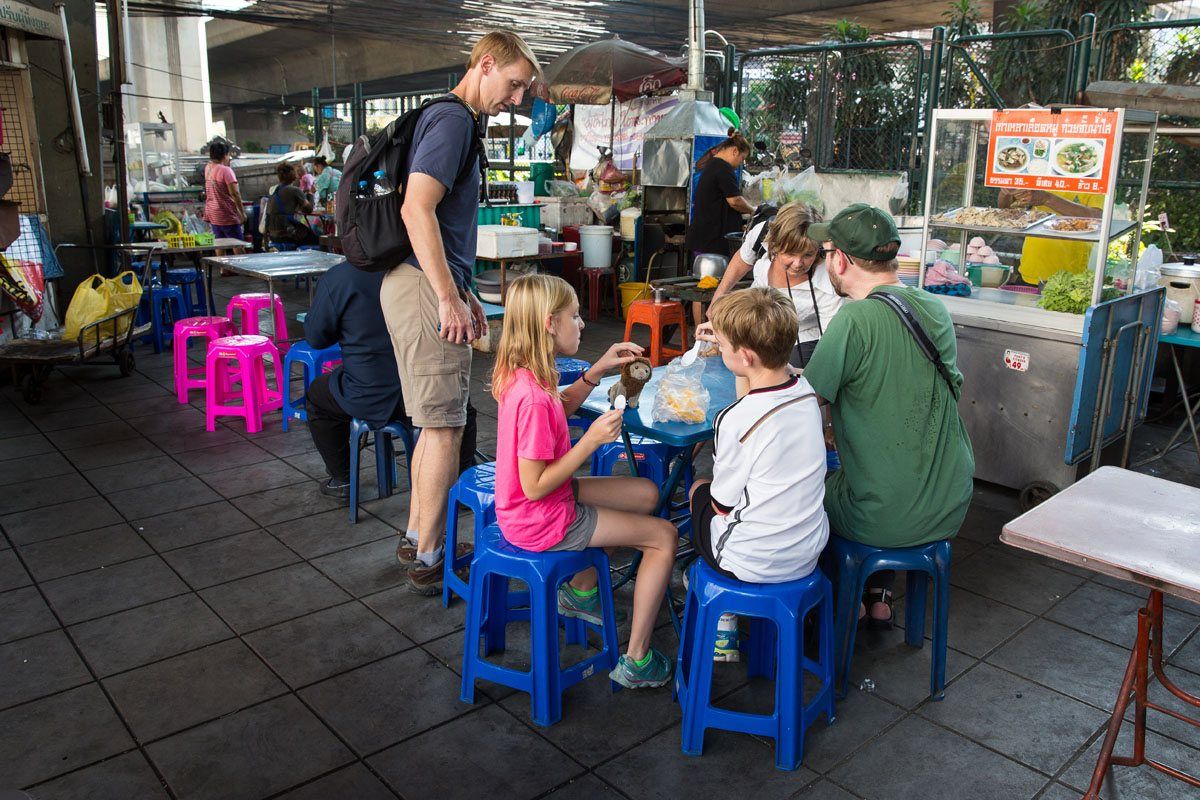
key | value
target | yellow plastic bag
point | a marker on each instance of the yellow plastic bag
(125, 292)
(89, 303)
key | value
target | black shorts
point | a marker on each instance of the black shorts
(702, 517)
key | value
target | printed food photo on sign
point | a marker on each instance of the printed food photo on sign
(1077, 158)
(1012, 158)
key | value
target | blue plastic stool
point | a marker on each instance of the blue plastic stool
(495, 563)
(653, 460)
(855, 562)
(385, 456)
(570, 369)
(191, 282)
(476, 490)
(312, 361)
(163, 324)
(774, 651)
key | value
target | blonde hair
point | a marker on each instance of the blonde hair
(788, 232)
(506, 47)
(525, 342)
(763, 320)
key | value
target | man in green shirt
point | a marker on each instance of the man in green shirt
(907, 464)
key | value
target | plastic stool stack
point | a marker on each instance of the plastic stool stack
(191, 283)
(385, 456)
(166, 308)
(856, 562)
(656, 317)
(495, 563)
(210, 329)
(778, 612)
(653, 460)
(235, 369)
(244, 309)
(313, 362)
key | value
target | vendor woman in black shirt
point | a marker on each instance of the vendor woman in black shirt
(719, 202)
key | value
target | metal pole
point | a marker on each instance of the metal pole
(1083, 56)
(72, 88)
(316, 104)
(695, 45)
(730, 56)
(117, 66)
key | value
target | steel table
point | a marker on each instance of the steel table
(505, 261)
(197, 255)
(722, 392)
(279, 266)
(1140, 529)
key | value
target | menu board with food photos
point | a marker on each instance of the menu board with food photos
(1067, 151)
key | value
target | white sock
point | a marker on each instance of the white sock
(727, 622)
(429, 559)
(413, 536)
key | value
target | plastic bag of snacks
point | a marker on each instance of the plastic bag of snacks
(681, 395)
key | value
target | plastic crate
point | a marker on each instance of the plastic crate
(531, 215)
(181, 240)
(204, 239)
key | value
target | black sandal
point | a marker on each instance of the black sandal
(872, 597)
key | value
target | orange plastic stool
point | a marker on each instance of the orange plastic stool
(657, 316)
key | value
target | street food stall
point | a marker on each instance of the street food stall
(1055, 340)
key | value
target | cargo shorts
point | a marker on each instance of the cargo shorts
(435, 375)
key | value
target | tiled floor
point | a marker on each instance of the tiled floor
(183, 615)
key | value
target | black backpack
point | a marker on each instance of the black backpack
(373, 236)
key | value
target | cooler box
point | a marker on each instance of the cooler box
(559, 212)
(505, 241)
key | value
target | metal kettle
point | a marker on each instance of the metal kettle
(709, 265)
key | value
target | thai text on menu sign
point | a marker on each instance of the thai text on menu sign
(1069, 151)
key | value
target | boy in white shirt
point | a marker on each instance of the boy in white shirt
(762, 517)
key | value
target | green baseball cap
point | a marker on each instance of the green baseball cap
(859, 230)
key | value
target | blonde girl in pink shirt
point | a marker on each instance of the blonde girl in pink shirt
(540, 504)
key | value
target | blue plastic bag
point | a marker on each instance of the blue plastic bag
(544, 115)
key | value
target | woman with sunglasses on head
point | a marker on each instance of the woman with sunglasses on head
(783, 257)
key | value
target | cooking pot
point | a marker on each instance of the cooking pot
(709, 265)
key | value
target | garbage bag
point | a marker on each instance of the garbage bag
(681, 395)
(88, 304)
(125, 292)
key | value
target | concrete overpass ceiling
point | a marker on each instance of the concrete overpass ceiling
(288, 41)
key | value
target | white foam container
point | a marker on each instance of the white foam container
(506, 241)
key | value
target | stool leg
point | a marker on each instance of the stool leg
(699, 681)
(212, 395)
(356, 435)
(475, 605)
(543, 633)
(789, 691)
(850, 591)
(254, 382)
(385, 459)
(451, 545)
(495, 624)
(179, 356)
(941, 622)
(616, 284)
(917, 584)
(761, 648)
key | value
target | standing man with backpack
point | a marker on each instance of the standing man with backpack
(431, 313)
(887, 366)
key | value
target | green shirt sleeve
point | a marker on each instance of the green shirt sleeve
(835, 358)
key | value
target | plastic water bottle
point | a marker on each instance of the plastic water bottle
(382, 184)
(362, 189)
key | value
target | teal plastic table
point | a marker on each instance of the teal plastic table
(1182, 337)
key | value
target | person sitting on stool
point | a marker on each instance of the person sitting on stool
(346, 311)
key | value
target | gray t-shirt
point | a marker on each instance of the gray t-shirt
(442, 145)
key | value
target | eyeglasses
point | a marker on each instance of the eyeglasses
(830, 251)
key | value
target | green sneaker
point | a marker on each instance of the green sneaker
(656, 672)
(584, 608)
(726, 648)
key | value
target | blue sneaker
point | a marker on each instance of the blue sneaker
(585, 608)
(658, 671)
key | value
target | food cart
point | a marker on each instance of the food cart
(1044, 390)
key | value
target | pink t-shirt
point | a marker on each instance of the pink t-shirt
(532, 425)
(219, 207)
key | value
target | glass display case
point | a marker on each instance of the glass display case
(1038, 192)
(1052, 279)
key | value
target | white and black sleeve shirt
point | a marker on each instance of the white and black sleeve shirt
(769, 478)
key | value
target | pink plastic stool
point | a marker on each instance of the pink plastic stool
(251, 305)
(189, 377)
(248, 354)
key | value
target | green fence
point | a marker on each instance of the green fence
(1009, 69)
(844, 106)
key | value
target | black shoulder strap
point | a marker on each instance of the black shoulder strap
(910, 321)
(477, 147)
(759, 247)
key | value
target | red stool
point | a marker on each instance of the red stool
(188, 377)
(594, 276)
(241, 359)
(657, 316)
(251, 306)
